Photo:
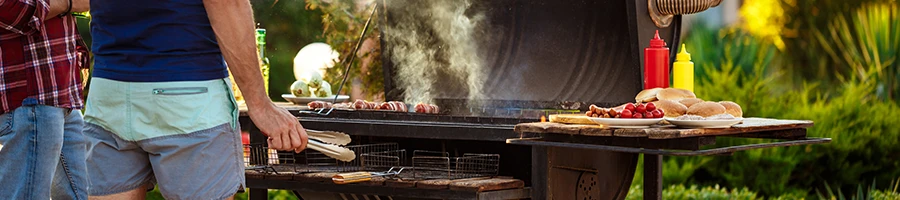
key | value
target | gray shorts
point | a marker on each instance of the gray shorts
(181, 135)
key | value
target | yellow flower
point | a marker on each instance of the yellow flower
(764, 19)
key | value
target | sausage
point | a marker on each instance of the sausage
(421, 108)
(360, 104)
(435, 109)
(401, 107)
(318, 105)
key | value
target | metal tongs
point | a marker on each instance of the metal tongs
(356, 177)
(327, 142)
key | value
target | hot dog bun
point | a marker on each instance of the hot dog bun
(671, 108)
(706, 109)
(690, 101)
(648, 95)
(675, 94)
(732, 108)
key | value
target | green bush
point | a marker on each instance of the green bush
(864, 127)
(695, 192)
(273, 195)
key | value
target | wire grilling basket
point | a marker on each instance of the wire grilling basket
(423, 165)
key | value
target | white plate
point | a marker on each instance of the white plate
(625, 122)
(705, 123)
(304, 100)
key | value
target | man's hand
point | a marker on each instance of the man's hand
(232, 21)
(284, 131)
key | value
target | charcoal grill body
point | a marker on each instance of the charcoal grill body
(539, 55)
(553, 51)
(547, 50)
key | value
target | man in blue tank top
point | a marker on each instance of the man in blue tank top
(160, 108)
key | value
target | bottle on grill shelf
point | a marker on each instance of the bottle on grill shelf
(683, 70)
(656, 64)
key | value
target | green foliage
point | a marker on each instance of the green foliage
(860, 194)
(709, 48)
(273, 195)
(868, 40)
(827, 37)
(863, 128)
(289, 27)
(695, 192)
(848, 110)
(343, 21)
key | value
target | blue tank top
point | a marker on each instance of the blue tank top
(154, 41)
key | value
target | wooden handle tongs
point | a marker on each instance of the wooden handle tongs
(356, 177)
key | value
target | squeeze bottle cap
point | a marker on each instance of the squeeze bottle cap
(683, 55)
(656, 41)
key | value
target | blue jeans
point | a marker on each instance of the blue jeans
(43, 153)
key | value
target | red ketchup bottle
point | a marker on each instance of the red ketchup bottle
(656, 64)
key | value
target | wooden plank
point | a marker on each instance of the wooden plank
(252, 174)
(318, 177)
(594, 130)
(628, 132)
(487, 185)
(437, 184)
(399, 183)
(748, 128)
(545, 127)
(690, 143)
(749, 125)
(376, 181)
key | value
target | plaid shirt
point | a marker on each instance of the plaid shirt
(37, 56)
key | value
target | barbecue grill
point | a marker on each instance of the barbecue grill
(541, 57)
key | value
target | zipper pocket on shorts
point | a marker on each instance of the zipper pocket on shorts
(180, 91)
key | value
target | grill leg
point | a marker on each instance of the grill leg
(652, 176)
(259, 194)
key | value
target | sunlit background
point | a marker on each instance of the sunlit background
(831, 61)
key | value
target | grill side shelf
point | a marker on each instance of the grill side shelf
(745, 129)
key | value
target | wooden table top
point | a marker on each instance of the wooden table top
(750, 125)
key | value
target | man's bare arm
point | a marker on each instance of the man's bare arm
(232, 21)
(59, 6)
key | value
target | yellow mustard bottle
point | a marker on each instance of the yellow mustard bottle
(683, 70)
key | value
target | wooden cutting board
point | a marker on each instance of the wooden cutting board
(570, 119)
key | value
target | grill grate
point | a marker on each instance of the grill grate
(439, 165)
(374, 157)
(269, 161)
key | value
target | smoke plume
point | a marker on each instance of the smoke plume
(435, 40)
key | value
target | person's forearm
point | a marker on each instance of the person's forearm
(56, 7)
(232, 21)
(59, 6)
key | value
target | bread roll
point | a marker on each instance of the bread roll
(690, 101)
(732, 108)
(706, 109)
(675, 94)
(671, 108)
(648, 95)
